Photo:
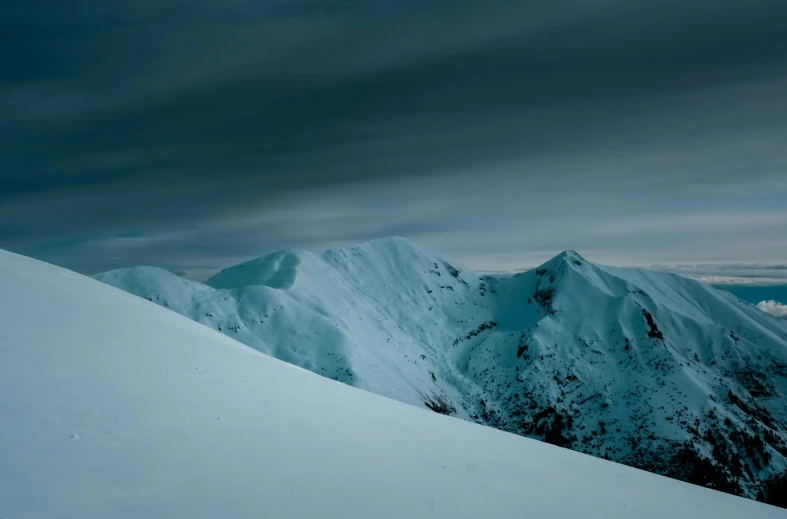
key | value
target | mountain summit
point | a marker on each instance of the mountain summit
(645, 368)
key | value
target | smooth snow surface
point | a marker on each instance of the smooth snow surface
(113, 407)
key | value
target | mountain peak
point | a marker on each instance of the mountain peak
(571, 255)
(387, 249)
(557, 263)
(276, 270)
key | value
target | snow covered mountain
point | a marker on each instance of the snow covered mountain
(113, 407)
(645, 368)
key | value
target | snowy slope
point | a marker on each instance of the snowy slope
(113, 407)
(646, 368)
(365, 315)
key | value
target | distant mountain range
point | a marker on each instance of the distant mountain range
(645, 368)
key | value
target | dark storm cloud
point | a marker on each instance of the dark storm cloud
(168, 118)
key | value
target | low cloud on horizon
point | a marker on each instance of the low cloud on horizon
(751, 274)
(773, 308)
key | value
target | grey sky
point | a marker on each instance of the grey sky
(193, 135)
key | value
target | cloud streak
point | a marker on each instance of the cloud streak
(749, 274)
(633, 131)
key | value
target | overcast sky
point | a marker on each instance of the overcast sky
(196, 134)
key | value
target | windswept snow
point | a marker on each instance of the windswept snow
(113, 407)
(646, 368)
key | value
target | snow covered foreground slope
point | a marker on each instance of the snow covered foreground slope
(113, 407)
(645, 368)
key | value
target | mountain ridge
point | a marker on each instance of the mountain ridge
(646, 368)
(114, 407)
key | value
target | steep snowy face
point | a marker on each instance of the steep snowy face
(649, 369)
(645, 368)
